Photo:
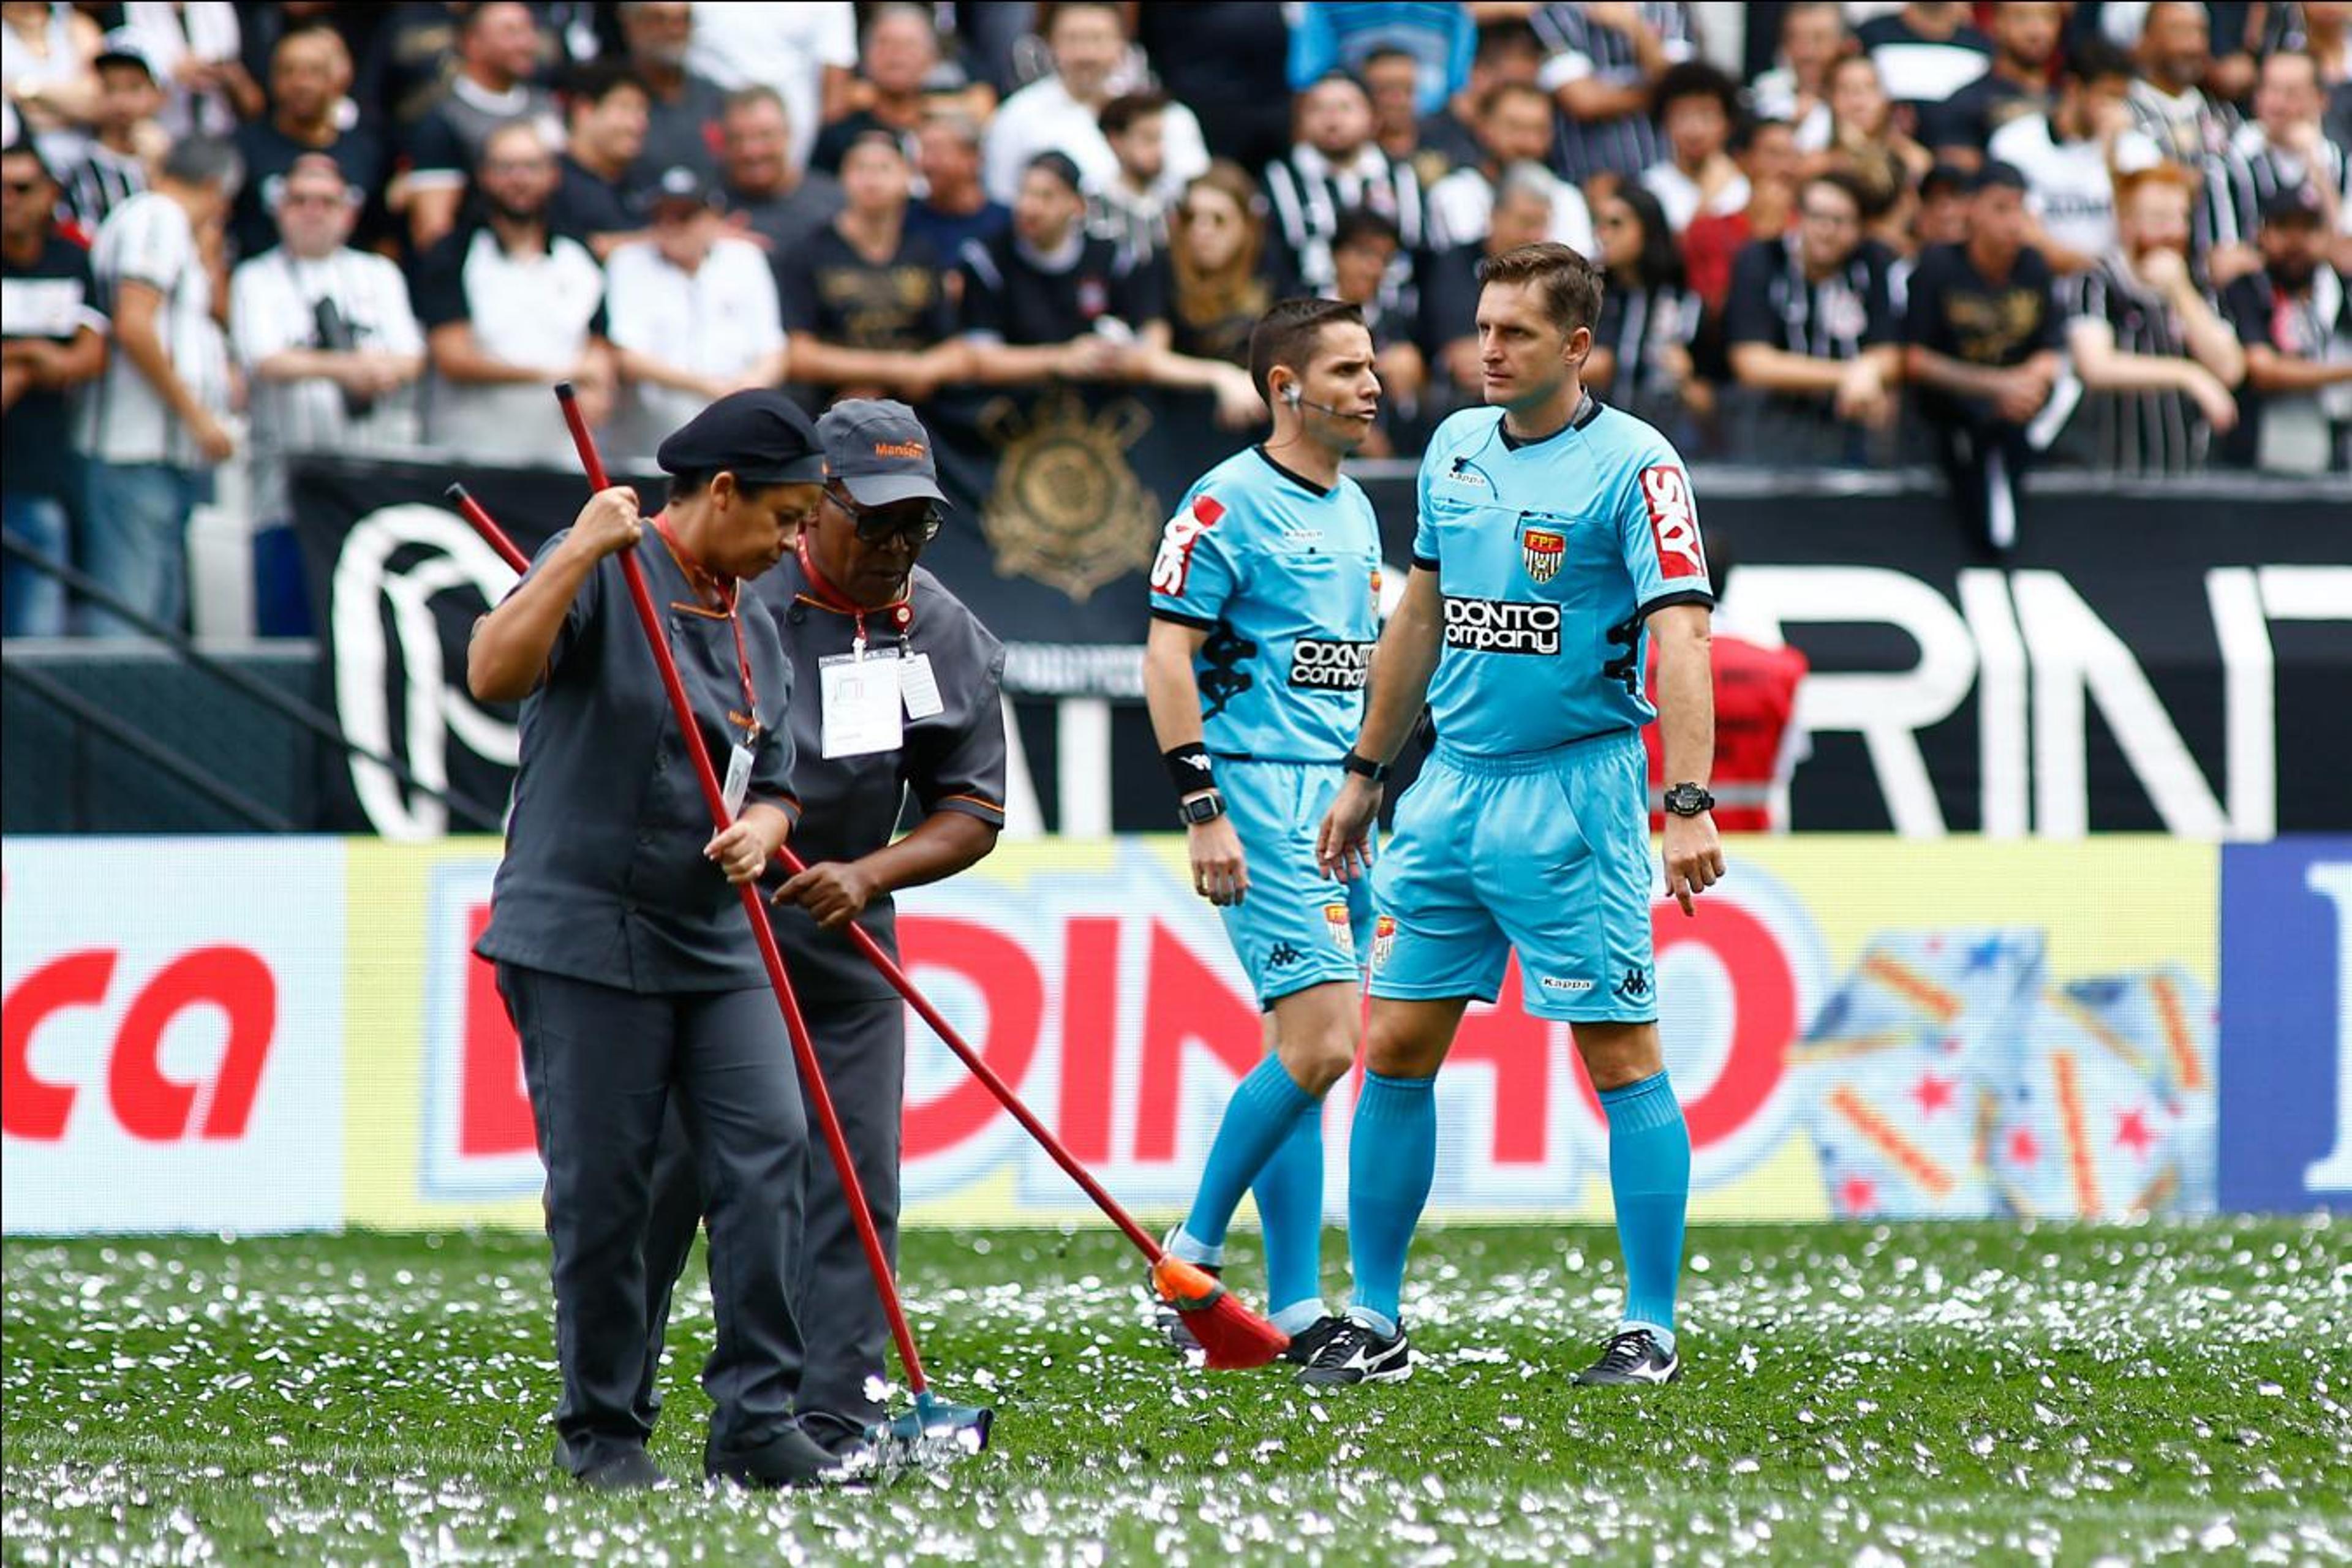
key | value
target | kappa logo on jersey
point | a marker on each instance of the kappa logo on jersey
(1343, 934)
(1384, 931)
(1672, 522)
(1319, 665)
(1174, 562)
(1543, 549)
(1501, 625)
(1462, 473)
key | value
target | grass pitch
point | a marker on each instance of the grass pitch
(1855, 1395)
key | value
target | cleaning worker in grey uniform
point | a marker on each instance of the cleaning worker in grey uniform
(899, 687)
(623, 951)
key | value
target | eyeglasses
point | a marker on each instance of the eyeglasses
(881, 525)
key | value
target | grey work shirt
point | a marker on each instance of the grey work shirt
(604, 877)
(950, 761)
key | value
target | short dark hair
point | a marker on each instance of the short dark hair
(1286, 335)
(597, 81)
(1838, 180)
(1059, 165)
(2093, 59)
(203, 161)
(1359, 224)
(1694, 79)
(1746, 128)
(25, 147)
(1119, 115)
(1570, 281)
(1513, 33)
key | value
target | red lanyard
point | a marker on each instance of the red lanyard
(900, 612)
(728, 592)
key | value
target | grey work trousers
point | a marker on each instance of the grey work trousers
(861, 1046)
(608, 1070)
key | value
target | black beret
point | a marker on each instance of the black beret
(760, 435)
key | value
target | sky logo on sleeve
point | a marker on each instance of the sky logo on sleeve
(1674, 523)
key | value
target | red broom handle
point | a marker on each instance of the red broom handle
(803, 1049)
(1143, 1239)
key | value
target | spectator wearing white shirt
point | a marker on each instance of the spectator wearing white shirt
(2069, 158)
(329, 345)
(1060, 112)
(196, 48)
(1927, 51)
(1695, 103)
(1514, 127)
(510, 309)
(48, 65)
(153, 430)
(807, 51)
(1812, 37)
(691, 312)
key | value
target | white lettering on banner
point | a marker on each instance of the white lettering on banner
(2333, 1171)
(1887, 709)
(2075, 654)
(2001, 732)
(2249, 700)
(362, 585)
(172, 1059)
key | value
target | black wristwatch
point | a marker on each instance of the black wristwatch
(1201, 808)
(1363, 767)
(1688, 800)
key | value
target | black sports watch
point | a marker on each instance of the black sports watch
(1688, 800)
(1201, 808)
(1363, 767)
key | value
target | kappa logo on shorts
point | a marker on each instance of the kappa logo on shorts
(1343, 931)
(1318, 665)
(1543, 549)
(1501, 625)
(1282, 955)
(1384, 934)
(1634, 986)
(1567, 984)
(1674, 523)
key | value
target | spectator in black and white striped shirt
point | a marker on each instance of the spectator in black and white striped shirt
(1333, 167)
(1605, 58)
(2295, 317)
(2147, 342)
(325, 334)
(2282, 148)
(1130, 209)
(125, 137)
(1812, 327)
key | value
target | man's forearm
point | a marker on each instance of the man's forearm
(1686, 698)
(941, 844)
(1771, 369)
(1925, 367)
(2267, 370)
(146, 351)
(1406, 657)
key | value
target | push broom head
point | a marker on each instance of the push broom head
(932, 1435)
(1231, 1334)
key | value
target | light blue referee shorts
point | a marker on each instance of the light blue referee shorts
(1544, 852)
(1295, 928)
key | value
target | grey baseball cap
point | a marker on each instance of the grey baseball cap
(879, 451)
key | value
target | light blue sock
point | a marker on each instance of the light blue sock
(1289, 1191)
(1265, 1106)
(1391, 1159)
(1649, 1176)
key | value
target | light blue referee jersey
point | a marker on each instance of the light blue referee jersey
(1284, 575)
(1550, 556)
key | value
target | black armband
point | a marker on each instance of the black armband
(1188, 768)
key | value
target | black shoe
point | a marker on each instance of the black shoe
(1308, 1340)
(1355, 1351)
(624, 1470)
(790, 1458)
(1632, 1357)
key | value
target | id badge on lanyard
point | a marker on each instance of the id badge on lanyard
(860, 697)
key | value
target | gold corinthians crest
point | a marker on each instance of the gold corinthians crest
(1068, 509)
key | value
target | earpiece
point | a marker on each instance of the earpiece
(1292, 396)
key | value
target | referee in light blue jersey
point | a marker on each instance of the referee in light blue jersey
(1556, 537)
(1264, 603)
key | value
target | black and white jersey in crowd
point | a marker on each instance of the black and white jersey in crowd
(101, 183)
(2136, 432)
(1834, 317)
(2186, 127)
(2068, 185)
(1915, 68)
(1309, 191)
(540, 309)
(349, 301)
(1134, 222)
(2237, 184)
(1577, 47)
(2294, 432)
(1637, 326)
(125, 420)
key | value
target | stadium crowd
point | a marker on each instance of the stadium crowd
(2112, 235)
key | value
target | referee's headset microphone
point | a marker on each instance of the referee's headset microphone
(1298, 399)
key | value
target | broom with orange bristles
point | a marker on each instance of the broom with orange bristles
(1231, 1336)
